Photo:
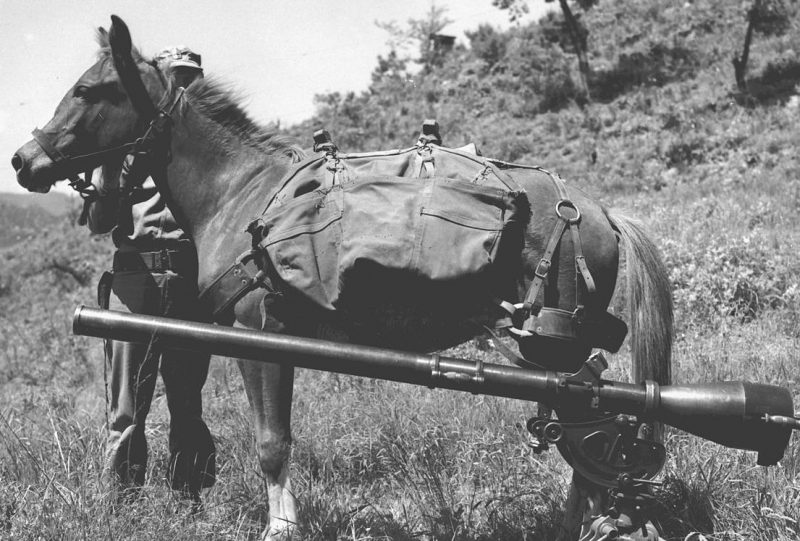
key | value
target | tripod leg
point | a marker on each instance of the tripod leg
(585, 500)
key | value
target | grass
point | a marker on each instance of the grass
(376, 460)
(715, 177)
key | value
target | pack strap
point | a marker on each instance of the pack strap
(424, 161)
(542, 269)
(580, 261)
(508, 353)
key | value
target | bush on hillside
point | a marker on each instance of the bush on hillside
(740, 278)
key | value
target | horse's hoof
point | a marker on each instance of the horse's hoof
(281, 530)
(191, 501)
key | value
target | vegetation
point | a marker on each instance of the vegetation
(666, 134)
(22, 216)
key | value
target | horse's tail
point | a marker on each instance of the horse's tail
(649, 303)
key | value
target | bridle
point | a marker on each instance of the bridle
(152, 147)
(75, 163)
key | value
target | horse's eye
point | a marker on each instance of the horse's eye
(85, 93)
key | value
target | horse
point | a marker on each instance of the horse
(218, 169)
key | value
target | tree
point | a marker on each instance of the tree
(488, 44)
(768, 17)
(573, 28)
(424, 33)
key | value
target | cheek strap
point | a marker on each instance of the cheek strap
(75, 164)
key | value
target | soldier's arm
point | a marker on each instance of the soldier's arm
(103, 212)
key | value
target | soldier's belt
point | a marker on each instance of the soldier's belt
(178, 261)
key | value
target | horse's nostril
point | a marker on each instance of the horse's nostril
(17, 162)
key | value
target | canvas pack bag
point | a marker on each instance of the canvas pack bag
(428, 213)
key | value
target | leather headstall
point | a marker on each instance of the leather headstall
(154, 143)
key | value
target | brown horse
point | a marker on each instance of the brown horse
(221, 169)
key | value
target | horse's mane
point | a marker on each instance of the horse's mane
(218, 103)
(222, 106)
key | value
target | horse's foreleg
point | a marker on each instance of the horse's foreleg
(269, 390)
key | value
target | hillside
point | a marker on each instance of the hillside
(53, 202)
(22, 216)
(664, 133)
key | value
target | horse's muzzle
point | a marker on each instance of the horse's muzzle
(18, 163)
(23, 170)
(25, 176)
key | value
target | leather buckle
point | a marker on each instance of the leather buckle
(542, 268)
(165, 262)
(151, 260)
(579, 315)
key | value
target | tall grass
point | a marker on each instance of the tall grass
(717, 181)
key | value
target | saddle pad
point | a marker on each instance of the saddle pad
(429, 213)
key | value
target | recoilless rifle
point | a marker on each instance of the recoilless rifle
(604, 429)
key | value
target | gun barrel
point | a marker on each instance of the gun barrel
(736, 414)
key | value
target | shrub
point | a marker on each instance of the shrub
(739, 278)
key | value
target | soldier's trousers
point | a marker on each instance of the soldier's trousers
(133, 374)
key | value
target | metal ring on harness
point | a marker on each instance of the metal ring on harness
(569, 204)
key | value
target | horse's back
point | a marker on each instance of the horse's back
(395, 309)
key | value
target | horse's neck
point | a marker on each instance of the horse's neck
(218, 188)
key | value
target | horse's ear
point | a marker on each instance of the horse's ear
(102, 37)
(122, 53)
(119, 38)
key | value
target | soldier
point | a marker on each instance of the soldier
(154, 273)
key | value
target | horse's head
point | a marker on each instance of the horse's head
(98, 119)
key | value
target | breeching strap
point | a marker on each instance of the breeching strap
(534, 299)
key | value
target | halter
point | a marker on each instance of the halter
(157, 130)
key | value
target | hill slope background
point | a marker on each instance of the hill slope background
(665, 134)
(22, 216)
